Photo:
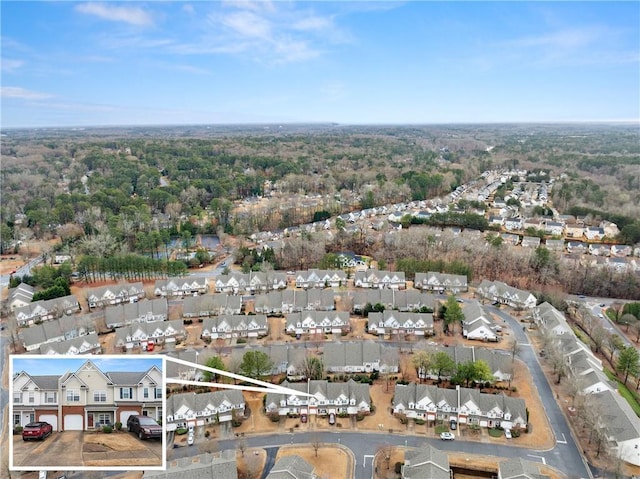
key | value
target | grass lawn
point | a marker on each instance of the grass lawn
(440, 429)
(493, 432)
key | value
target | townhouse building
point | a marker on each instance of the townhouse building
(319, 278)
(293, 300)
(463, 405)
(286, 359)
(20, 296)
(505, 294)
(211, 305)
(360, 357)
(478, 323)
(326, 398)
(235, 326)
(63, 329)
(407, 300)
(138, 334)
(87, 398)
(425, 462)
(115, 294)
(250, 283)
(89, 344)
(376, 279)
(178, 287)
(143, 311)
(441, 282)
(318, 322)
(46, 310)
(200, 409)
(391, 322)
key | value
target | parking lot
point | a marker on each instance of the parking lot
(76, 448)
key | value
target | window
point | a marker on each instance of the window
(50, 397)
(32, 397)
(144, 413)
(73, 395)
(103, 419)
(145, 393)
(99, 396)
(17, 397)
(16, 419)
(126, 393)
(158, 394)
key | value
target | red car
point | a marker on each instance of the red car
(37, 430)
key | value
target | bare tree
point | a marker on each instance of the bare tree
(241, 446)
(316, 443)
(384, 453)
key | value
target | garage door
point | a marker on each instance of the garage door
(124, 415)
(51, 419)
(73, 422)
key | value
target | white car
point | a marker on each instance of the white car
(507, 433)
(190, 439)
(447, 436)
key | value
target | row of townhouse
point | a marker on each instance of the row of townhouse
(292, 300)
(89, 344)
(478, 324)
(115, 294)
(139, 334)
(138, 312)
(505, 294)
(200, 409)
(318, 322)
(220, 465)
(425, 462)
(58, 330)
(19, 296)
(326, 398)
(392, 322)
(320, 278)
(177, 287)
(86, 399)
(499, 362)
(46, 310)
(251, 283)
(441, 282)
(235, 326)
(617, 419)
(408, 300)
(373, 278)
(463, 405)
(211, 305)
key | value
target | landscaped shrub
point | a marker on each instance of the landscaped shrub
(107, 429)
(397, 467)
(207, 433)
(241, 341)
(180, 431)
(118, 426)
(419, 422)
(17, 429)
(274, 416)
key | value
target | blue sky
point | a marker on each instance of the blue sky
(133, 63)
(54, 365)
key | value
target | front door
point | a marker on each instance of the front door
(90, 420)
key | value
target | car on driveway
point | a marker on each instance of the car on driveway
(332, 418)
(190, 438)
(453, 424)
(37, 430)
(447, 436)
(303, 418)
(507, 433)
(144, 426)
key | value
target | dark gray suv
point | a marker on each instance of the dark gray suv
(144, 426)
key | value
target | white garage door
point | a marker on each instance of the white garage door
(124, 415)
(73, 422)
(51, 419)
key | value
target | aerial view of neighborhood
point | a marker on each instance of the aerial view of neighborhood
(320, 240)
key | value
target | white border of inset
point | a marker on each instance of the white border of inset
(9, 422)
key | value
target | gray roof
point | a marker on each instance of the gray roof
(45, 382)
(425, 462)
(341, 354)
(198, 402)
(617, 416)
(518, 468)
(202, 466)
(64, 347)
(291, 467)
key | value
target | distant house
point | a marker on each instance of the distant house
(441, 282)
(531, 242)
(46, 310)
(200, 409)
(138, 334)
(62, 329)
(513, 224)
(554, 228)
(510, 238)
(574, 230)
(221, 466)
(621, 251)
(253, 282)
(20, 296)
(518, 468)
(554, 244)
(360, 357)
(292, 467)
(594, 233)
(576, 247)
(316, 278)
(141, 311)
(88, 344)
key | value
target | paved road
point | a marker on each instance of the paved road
(21, 271)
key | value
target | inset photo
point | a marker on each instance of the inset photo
(87, 413)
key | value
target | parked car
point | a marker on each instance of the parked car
(453, 424)
(37, 430)
(144, 426)
(332, 419)
(507, 433)
(447, 436)
(303, 418)
(190, 438)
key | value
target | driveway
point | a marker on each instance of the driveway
(86, 449)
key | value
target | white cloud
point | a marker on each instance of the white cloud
(132, 15)
(10, 65)
(566, 39)
(248, 24)
(22, 93)
(313, 23)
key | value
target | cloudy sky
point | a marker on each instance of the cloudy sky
(142, 63)
(52, 365)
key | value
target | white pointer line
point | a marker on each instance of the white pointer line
(266, 387)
